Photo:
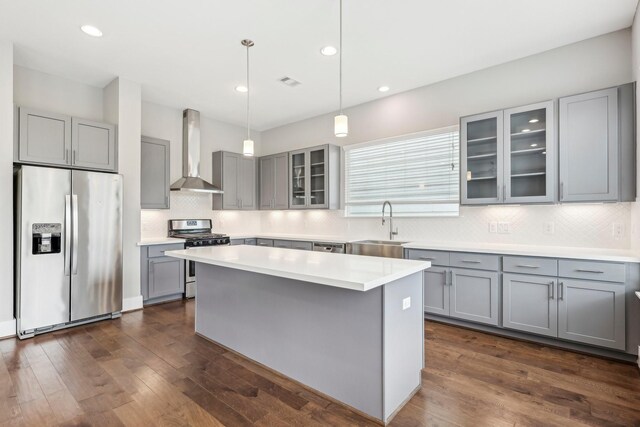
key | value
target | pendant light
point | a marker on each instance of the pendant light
(341, 121)
(247, 146)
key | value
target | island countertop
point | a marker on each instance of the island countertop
(356, 272)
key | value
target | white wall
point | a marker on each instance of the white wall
(56, 94)
(588, 65)
(7, 323)
(166, 123)
(122, 105)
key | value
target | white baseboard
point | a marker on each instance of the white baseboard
(133, 303)
(8, 328)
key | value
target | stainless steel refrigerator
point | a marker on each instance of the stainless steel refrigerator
(68, 236)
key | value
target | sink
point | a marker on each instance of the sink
(382, 248)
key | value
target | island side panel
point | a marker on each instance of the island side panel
(325, 337)
(403, 341)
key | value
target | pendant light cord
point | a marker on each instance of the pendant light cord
(248, 95)
(340, 57)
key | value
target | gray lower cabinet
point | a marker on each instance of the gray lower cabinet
(592, 312)
(93, 145)
(436, 291)
(264, 242)
(154, 173)
(301, 246)
(474, 295)
(529, 303)
(274, 189)
(162, 277)
(61, 140)
(282, 244)
(596, 140)
(236, 242)
(236, 175)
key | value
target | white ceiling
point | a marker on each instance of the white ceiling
(187, 53)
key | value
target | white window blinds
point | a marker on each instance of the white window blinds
(417, 173)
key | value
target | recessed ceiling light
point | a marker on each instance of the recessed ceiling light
(526, 130)
(328, 51)
(534, 121)
(383, 89)
(242, 89)
(91, 30)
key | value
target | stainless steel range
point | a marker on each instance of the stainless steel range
(197, 233)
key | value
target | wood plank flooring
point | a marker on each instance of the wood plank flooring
(149, 369)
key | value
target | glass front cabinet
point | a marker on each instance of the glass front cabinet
(509, 156)
(314, 178)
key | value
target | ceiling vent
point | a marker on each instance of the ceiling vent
(290, 82)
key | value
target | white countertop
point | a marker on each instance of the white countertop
(298, 237)
(357, 272)
(618, 255)
(638, 295)
(160, 241)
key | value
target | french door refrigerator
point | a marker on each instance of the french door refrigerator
(68, 237)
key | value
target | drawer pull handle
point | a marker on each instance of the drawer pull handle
(471, 261)
(528, 266)
(427, 258)
(580, 270)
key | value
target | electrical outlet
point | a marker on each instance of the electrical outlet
(549, 227)
(618, 230)
(406, 303)
(493, 227)
(504, 228)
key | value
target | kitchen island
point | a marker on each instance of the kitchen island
(348, 326)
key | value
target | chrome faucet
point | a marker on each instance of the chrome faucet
(391, 231)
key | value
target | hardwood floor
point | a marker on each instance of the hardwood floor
(149, 369)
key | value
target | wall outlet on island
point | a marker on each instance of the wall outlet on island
(406, 303)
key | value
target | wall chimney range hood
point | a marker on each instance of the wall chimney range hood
(191, 180)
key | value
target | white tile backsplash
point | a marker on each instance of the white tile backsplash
(582, 225)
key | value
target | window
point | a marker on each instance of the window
(417, 173)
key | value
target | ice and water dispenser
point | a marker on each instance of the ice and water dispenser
(46, 238)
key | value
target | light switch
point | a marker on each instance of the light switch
(406, 303)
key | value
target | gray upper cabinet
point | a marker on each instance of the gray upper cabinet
(93, 145)
(530, 154)
(597, 141)
(274, 190)
(529, 304)
(509, 156)
(314, 178)
(481, 153)
(592, 312)
(44, 137)
(155, 170)
(236, 175)
(57, 139)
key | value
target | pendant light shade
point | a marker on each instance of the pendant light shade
(341, 125)
(341, 121)
(247, 145)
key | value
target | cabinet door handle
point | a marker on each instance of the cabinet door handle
(551, 290)
(498, 193)
(561, 290)
(73, 157)
(580, 270)
(427, 258)
(527, 266)
(66, 155)
(453, 279)
(561, 190)
(504, 193)
(471, 261)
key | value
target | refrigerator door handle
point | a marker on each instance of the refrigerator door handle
(74, 257)
(67, 234)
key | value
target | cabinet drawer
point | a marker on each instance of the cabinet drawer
(477, 261)
(435, 257)
(264, 242)
(530, 265)
(251, 242)
(236, 242)
(159, 250)
(592, 270)
(302, 246)
(280, 244)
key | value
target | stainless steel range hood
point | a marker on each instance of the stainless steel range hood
(191, 180)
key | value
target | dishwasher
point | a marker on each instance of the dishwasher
(328, 247)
